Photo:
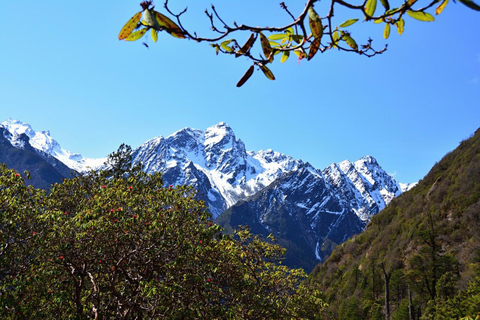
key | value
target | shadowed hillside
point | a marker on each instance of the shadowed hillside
(418, 256)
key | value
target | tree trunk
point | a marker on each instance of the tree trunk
(387, 292)
(411, 307)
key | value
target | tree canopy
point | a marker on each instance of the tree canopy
(121, 245)
(306, 33)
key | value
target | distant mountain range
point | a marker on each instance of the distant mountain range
(308, 210)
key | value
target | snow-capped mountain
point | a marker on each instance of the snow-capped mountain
(42, 141)
(215, 162)
(310, 211)
(363, 185)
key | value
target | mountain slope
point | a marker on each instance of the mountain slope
(424, 245)
(303, 213)
(17, 153)
(310, 212)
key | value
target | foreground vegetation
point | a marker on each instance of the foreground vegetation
(117, 244)
(420, 257)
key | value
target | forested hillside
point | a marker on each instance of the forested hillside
(419, 257)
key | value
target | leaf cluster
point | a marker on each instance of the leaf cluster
(307, 34)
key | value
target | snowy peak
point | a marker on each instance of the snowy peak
(364, 185)
(44, 142)
(220, 134)
(215, 156)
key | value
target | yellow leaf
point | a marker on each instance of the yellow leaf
(441, 7)
(335, 38)
(370, 8)
(386, 31)
(169, 26)
(400, 25)
(136, 35)
(154, 34)
(129, 26)
(285, 55)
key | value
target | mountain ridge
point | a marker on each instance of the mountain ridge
(325, 207)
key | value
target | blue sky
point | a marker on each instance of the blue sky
(63, 69)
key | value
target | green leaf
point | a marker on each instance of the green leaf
(386, 31)
(347, 23)
(349, 40)
(274, 44)
(266, 71)
(472, 5)
(421, 16)
(377, 21)
(154, 34)
(129, 26)
(315, 23)
(297, 38)
(370, 8)
(391, 12)
(400, 25)
(278, 36)
(335, 37)
(441, 7)
(136, 35)
(385, 4)
(225, 46)
(246, 76)
(285, 55)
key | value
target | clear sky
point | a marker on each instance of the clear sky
(63, 69)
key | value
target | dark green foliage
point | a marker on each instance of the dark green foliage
(122, 246)
(425, 242)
